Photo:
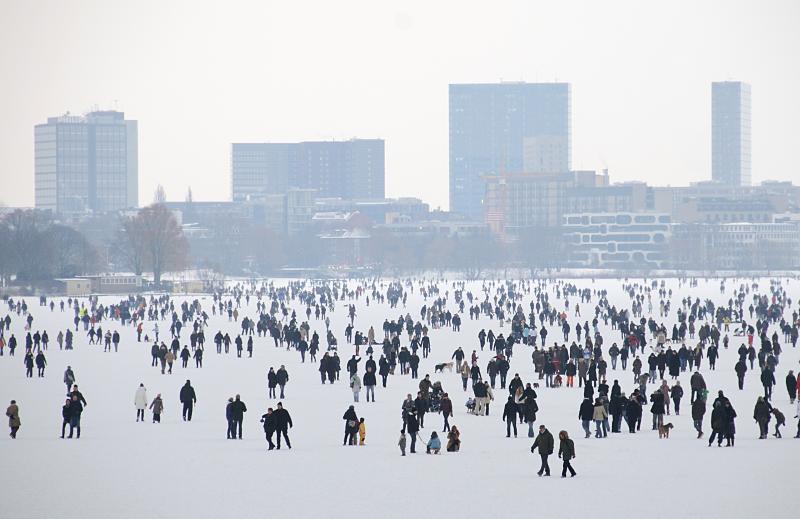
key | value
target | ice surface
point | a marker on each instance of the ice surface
(123, 469)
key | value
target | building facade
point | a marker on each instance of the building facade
(504, 127)
(617, 240)
(736, 246)
(86, 163)
(730, 133)
(344, 169)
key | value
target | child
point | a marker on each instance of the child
(362, 431)
(402, 443)
(434, 444)
(470, 405)
(779, 420)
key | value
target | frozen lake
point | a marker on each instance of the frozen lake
(120, 468)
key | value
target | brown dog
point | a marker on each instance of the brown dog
(663, 431)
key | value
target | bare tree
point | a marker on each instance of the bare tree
(30, 254)
(131, 247)
(164, 244)
(72, 255)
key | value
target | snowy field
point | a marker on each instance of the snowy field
(123, 469)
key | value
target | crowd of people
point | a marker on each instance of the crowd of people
(646, 343)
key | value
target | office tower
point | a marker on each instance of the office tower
(505, 128)
(730, 133)
(353, 169)
(86, 163)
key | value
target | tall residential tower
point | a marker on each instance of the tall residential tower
(730, 133)
(505, 128)
(86, 163)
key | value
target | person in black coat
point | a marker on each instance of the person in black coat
(65, 416)
(272, 381)
(767, 380)
(616, 409)
(350, 426)
(75, 411)
(566, 451)
(544, 442)
(741, 369)
(791, 386)
(230, 435)
(268, 420)
(282, 377)
(510, 416)
(657, 398)
(412, 426)
(586, 415)
(282, 424)
(370, 381)
(237, 416)
(718, 424)
(676, 393)
(188, 398)
(421, 405)
(633, 412)
(762, 412)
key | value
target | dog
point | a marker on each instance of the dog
(439, 368)
(557, 381)
(535, 385)
(663, 431)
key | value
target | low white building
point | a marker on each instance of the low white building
(617, 240)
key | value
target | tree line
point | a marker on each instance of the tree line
(36, 248)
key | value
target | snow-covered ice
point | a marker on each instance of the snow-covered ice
(123, 469)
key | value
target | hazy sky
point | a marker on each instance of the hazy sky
(198, 75)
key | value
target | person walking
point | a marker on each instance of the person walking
(600, 417)
(544, 442)
(355, 385)
(446, 407)
(237, 415)
(412, 425)
(65, 416)
(283, 422)
(140, 402)
(762, 412)
(229, 419)
(272, 382)
(75, 411)
(157, 406)
(12, 412)
(566, 451)
(282, 377)
(188, 398)
(69, 377)
(350, 426)
(268, 419)
(698, 411)
(370, 381)
(510, 416)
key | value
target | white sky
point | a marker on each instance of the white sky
(199, 75)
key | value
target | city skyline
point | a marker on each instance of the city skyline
(643, 113)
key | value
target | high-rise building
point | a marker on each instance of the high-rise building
(730, 133)
(505, 128)
(343, 169)
(86, 163)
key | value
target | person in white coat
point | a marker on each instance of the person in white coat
(355, 385)
(140, 401)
